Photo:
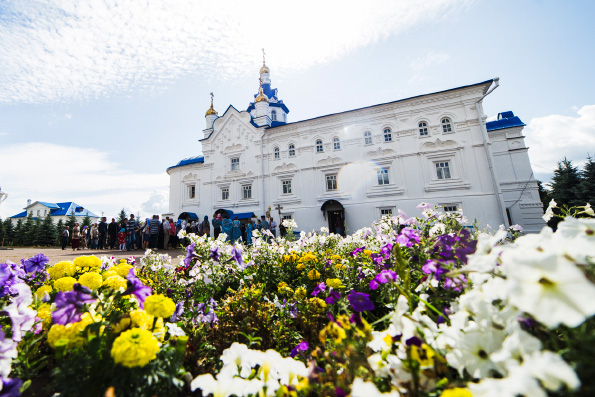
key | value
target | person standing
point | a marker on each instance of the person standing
(273, 226)
(166, 234)
(122, 239)
(217, 223)
(102, 229)
(206, 227)
(83, 241)
(282, 230)
(94, 236)
(172, 233)
(130, 226)
(249, 230)
(154, 231)
(236, 232)
(76, 236)
(65, 235)
(112, 232)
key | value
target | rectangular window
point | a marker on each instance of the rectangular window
(286, 187)
(224, 193)
(451, 208)
(386, 211)
(191, 191)
(38, 212)
(286, 217)
(443, 170)
(331, 182)
(247, 191)
(235, 164)
(382, 177)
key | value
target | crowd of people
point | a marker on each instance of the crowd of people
(154, 233)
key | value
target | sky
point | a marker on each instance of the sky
(98, 98)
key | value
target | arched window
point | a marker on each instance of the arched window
(274, 115)
(446, 127)
(319, 148)
(336, 143)
(388, 135)
(423, 128)
(276, 151)
(291, 150)
(367, 138)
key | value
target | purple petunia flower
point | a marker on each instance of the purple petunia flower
(178, 311)
(357, 251)
(137, 288)
(69, 304)
(215, 255)
(38, 262)
(414, 341)
(189, 255)
(11, 387)
(333, 297)
(386, 276)
(301, 347)
(408, 237)
(293, 311)
(373, 284)
(456, 283)
(236, 253)
(360, 302)
(318, 289)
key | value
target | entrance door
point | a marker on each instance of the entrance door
(336, 221)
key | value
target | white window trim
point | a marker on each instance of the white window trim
(336, 142)
(457, 176)
(371, 136)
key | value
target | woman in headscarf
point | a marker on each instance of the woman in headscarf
(76, 236)
(226, 227)
(206, 227)
(193, 227)
(236, 231)
(217, 222)
(249, 230)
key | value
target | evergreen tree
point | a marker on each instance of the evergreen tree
(34, 232)
(121, 217)
(71, 220)
(46, 233)
(60, 226)
(8, 232)
(565, 184)
(86, 221)
(18, 233)
(586, 189)
(28, 231)
(544, 195)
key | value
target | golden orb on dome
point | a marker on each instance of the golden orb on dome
(261, 97)
(211, 110)
(264, 69)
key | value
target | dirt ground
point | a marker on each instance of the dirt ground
(57, 254)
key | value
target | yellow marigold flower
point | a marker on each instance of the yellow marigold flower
(300, 266)
(301, 292)
(424, 355)
(115, 282)
(41, 291)
(64, 283)
(71, 333)
(284, 288)
(287, 258)
(340, 266)
(456, 392)
(367, 252)
(141, 319)
(61, 269)
(91, 280)
(108, 274)
(336, 257)
(122, 269)
(333, 330)
(135, 348)
(314, 274)
(56, 333)
(87, 263)
(122, 325)
(44, 312)
(334, 283)
(281, 285)
(318, 304)
(159, 305)
(308, 257)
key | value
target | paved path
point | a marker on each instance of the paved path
(57, 254)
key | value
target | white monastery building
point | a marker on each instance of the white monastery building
(355, 166)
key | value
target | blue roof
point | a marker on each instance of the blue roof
(62, 209)
(188, 161)
(505, 120)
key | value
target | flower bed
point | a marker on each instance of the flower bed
(410, 306)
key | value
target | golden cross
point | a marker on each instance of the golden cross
(263, 54)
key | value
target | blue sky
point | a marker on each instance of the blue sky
(97, 99)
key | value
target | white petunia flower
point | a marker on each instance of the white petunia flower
(549, 212)
(369, 389)
(551, 370)
(174, 330)
(473, 350)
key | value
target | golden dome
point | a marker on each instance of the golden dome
(264, 69)
(211, 110)
(261, 97)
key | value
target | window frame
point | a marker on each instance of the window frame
(235, 163)
(291, 150)
(336, 143)
(446, 123)
(382, 177)
(286, 186)
(423, 130)
(441, 167)
(388, 136)
(331, 182)
(273, 115)
(246, 192)
(191, 192)
(389, 209)
(368, 140)
(276, 153)
(319, 146)
(448, 208)
(225, 193)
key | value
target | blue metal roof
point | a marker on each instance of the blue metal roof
(49, 205)
(191, 215)
(188, 161)
(505, 120)
(62, 209)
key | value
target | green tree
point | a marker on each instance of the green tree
(60, 226)
(71, 220)
(544, 195)
(34, 232)
(565, 184)
(586, 189)
(86, 221)
(8, 232)
(18, 233)
(121, 217)
(46, 233)
(28, 231)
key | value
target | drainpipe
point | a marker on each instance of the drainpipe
(262, 170)
(484, 135)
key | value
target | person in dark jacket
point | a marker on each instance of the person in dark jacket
(112, 232)
(102, 229)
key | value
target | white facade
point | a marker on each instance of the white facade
(57, 211)
(359, 164)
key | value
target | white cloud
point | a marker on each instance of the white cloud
(48, 172)
(422, 64)
(3, 133)
(553, 137)
(60, 50)
(157, 204)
